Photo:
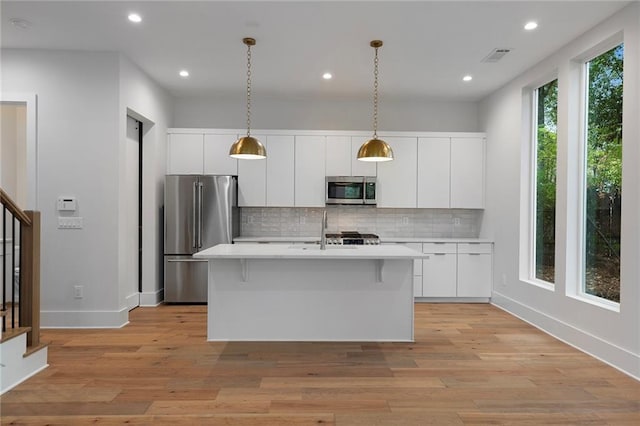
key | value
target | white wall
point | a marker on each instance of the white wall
(77, 155)
(326, 114)
(610, 335)
(143, 99)
(83, 100)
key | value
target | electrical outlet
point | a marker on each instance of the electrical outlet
(504, 280)
(456, 221)
(405, 220)
(78, 291)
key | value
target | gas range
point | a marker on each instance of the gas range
(352, 238)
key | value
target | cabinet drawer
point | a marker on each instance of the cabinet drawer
(439, 247)
(474, 248)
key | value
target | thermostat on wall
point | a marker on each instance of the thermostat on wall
(67, 204)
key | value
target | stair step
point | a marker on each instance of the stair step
(34, 349)
(14, 332)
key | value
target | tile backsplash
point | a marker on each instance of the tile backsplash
(302, 222)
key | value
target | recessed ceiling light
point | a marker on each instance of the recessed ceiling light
(327, 76)
(532, 25)
(134, 17)
(467, 78)
(184, 73)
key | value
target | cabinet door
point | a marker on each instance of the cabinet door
(439, 275)
(467, 173)
(338, 155)
(252, 180)
(280, 171)
(433, 172)
(397, 179)
(360, 168)
(216, 155)
(309, 171)
(474, 275)
(184, 154)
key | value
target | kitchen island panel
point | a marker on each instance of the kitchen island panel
(301, 299)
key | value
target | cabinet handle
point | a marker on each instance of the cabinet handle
(474, 254)
(439, 254)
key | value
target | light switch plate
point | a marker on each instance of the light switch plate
(69, 222)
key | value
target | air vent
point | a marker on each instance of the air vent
(496, 55)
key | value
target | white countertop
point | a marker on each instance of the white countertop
(277, 251)
(311, 239)
(432, 240)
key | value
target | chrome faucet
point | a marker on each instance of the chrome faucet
(323, 235)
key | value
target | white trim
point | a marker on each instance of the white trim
(133, 300)
(607, 352)
(151, 298)
(84, 319)
(354, 133)
(31, 102)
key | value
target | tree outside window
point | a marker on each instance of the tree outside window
(545, 181)
(603, 175)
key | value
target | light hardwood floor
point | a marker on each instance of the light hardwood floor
(470, 364)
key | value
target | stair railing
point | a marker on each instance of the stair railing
(20, 299)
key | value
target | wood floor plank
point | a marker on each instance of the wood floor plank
(470, 364)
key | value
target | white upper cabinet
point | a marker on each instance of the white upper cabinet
(280, 171)
(439, 171)
(184, 154)
(467, 173)
(342, 153)
(216, 155)
(310, 171)
(360, 168)
(252, 185)
(397, 179)
(434, 159)
(338, 149)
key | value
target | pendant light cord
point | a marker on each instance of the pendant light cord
(375, 95)
(248, 90)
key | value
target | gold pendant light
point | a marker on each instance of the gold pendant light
(248, 147)
(375, 149)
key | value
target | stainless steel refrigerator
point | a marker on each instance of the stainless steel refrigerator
(199, 212)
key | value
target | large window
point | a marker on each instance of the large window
(545, 136)
(603, 175)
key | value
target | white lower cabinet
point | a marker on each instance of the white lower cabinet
(474, 270)
(439, 270)
(450, 270)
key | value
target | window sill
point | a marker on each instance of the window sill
(539, 283)
(596, 301)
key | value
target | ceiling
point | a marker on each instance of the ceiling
(428, 45)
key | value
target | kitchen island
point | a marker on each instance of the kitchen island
(262, 292)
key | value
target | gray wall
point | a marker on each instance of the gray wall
(326, 114)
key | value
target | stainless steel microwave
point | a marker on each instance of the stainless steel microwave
(350, 190)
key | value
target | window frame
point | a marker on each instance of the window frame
(533, 184)
(528, 183)
(577, 289)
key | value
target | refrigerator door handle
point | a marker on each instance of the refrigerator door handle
(193, 216)
(200, 203)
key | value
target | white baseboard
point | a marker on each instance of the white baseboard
(151, 298)
(133, 300)
(84, 319)
(607, 352)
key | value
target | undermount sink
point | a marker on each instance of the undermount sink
(317, 247)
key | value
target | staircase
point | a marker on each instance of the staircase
(21, 353)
